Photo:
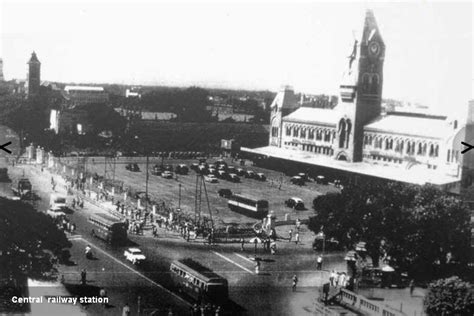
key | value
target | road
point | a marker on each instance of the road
(268, 293)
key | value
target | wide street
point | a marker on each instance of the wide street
(268, 293)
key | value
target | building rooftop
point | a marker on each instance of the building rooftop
(314, 115)
(83, 88)
(411, 125)
(418, 176)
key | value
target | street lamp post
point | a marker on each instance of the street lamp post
(179, 197)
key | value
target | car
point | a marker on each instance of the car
(231, 169)
(222, 167)
(329, 244)
(321, 180)
(55, 212)
(167, 174)
(212, 171)
(132, 167)
(295, 203)
(260, 177)
(181, 169)
(202, 169)
(303, 176)
(225, 193)
(167, 168)
(194, 166)
(221, 162)
(211, 178)
(249, 174)
(222, 174)
(385, 276)
(232, 177)
(156, 170)
(240, 172)
(134, 255)
(297, 180)
(212, 166)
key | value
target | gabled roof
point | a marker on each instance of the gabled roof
(409, 125)
(314, 115)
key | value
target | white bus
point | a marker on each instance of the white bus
(248, 206)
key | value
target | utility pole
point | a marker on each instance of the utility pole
(146, 184)
(179, 197)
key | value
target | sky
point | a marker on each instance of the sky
(247, 44)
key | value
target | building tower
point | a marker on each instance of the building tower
(284, 103)
(33, 78)
(360, 91)
(2, 78)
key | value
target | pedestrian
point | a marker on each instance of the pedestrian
(103, 295)
(126, 310)
(412, 287)
(295, 282)
(83, 277)
(290, 234)
(257, 267)
(297, 237)
(336, 279)
(242, 244)
(319, 262)
(326, 292)
(332, 276)
(342, 279)
(273, 248)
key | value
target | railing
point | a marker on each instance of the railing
(362, 304)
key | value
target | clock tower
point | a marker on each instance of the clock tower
(360, 91)
(33, 80)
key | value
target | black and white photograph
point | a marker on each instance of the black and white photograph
(220, 158)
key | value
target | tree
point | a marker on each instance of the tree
(451, 296)
(419, 229)
(28, 239)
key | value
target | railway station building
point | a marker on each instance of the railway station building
(355, 138)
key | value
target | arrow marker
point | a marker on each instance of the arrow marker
(469, 147)
(5, 149)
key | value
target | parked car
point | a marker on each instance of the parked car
(222, 174)
(295, 203)
(226, 193)
(222, 167)
(303, 176)
(55, 212)
(233, 177)
(249, 174)
(240, 172)
(211, 178)
(134, 255)
(221, 162)
(231, 169)
(194, 166)
(297, 180)
(132, 167)
(212, 171)
(260, 177)
(385, 276)
(321, 180)
(167, 174)
(329, 244)
(181, 169)
(212, 166)
(202, 169)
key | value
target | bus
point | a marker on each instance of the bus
(199, 282)
(108, 228)
(248, 206)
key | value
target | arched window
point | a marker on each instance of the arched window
(366, 82)
(401, 146)
(449, 153)
(303, 133)
(424, 149)
(295, 132)
(342, 133)
(455, 124)
(311, 134)
(420, 149)
(288, 131)
(436, 151)
(374, 85)
(431, 150)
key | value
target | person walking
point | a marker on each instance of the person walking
(412, 287)
(332, 276)
(83, 277)
(290, 235)
(319, 262)
(103, 295)
(242, 244)
(297, 237)
(126, 310)
(342, 279)
(295, 282)
(257, 267)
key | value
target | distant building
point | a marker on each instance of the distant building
(133, 92)
(78, 95)
(33, 78)
(2, 78)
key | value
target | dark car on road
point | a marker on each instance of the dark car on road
(260, 177)
(181, 169)
(295, 203)
(383, 277)
(249, 174)
(232, 177)
(329, 244)
(240, 172)
(132, 167)
(226, 193)
(221, 174)
(297, 180)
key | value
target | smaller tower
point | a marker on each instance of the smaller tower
(1, 70)
(33, 78)
(284, 103)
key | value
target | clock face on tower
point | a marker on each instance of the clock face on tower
(374, 48)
